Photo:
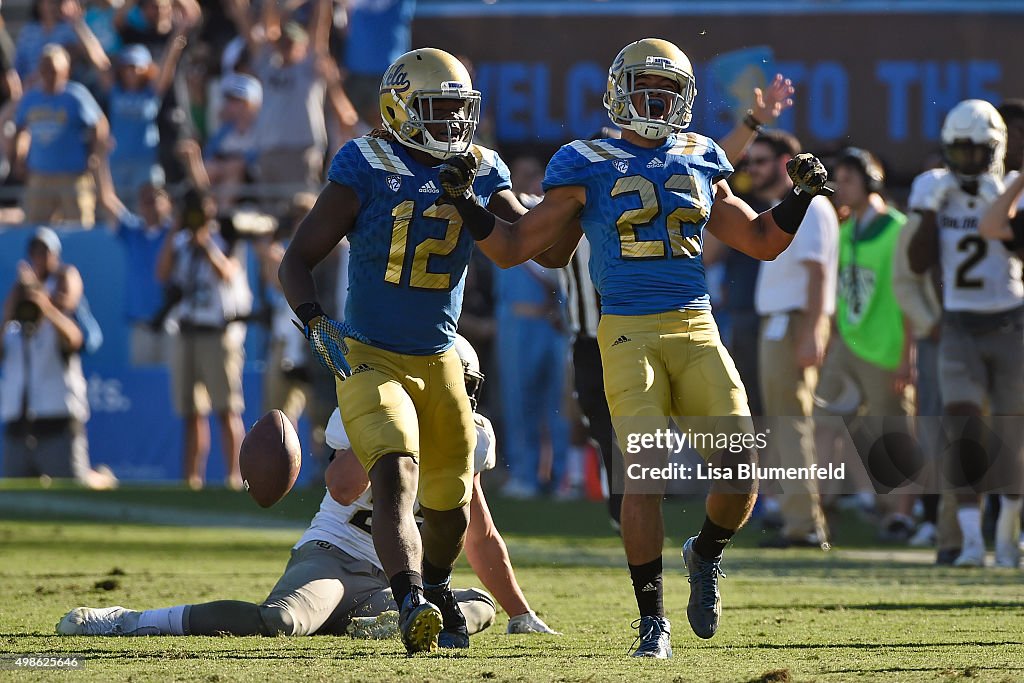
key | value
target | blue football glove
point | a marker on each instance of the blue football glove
(327, 341)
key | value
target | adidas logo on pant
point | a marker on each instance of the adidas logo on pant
(621, 340)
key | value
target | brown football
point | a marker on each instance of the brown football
(270, 458)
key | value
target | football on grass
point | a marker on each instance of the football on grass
(270, 458)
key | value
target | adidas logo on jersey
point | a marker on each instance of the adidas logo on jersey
(429, 186)
(362, 367)
(395, 183)
(655, 163)
(621, 340)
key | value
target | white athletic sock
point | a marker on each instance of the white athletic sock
(168, 621)
(970, 525)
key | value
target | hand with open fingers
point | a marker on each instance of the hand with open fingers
(457, 174)
(327, 341)
(808, 175)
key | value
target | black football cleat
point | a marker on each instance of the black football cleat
(419, 622)
(705, 607)
(454, 634)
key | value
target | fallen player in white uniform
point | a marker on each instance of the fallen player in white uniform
(334, 583)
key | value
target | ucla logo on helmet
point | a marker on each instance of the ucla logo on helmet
(396, 78)
(394, 182)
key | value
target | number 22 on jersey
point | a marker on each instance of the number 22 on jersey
(681, 244)
(420, 277)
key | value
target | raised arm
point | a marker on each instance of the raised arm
(91, 45)
(764, 236)
(995, 223)
(768, 105)
(172, 56)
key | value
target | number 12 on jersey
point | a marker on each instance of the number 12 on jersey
(419, 276)
(688, 246)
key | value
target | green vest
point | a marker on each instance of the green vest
(868, 316)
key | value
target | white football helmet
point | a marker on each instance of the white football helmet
(974, 140)
(661, 58)
(411, 87)
(470, 367)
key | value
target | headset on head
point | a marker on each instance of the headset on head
(870, 168)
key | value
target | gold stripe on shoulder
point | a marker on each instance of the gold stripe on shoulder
(598, 150)
(688, 144)
(379, 156)
(483, 159)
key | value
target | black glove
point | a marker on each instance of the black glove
(456, 176)
(808, 175)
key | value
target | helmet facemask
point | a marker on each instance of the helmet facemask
(968, 159)
(651, 121)
(474, 383)
(429, 109)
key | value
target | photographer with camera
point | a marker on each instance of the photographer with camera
(43, 396)
(212, 295)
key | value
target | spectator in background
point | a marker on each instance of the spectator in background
(291, 128)
(868, 366)
(142, 236)
(795, 297)
(59, 22)
(379, 32)
(43, 397)
(134, 94)
(231, 153)
(99, 16)
(61, 133)
(152, 23)
(532, 352)
(206, 353)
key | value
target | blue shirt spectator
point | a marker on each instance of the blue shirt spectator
(378, 33)
(58, 124)
(133, 124)
(100, 18)
(142, 243)
(31, 40)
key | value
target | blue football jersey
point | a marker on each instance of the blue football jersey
(408, 257)
(644, 217)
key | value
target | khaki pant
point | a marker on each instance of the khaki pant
(787, 391)
(842, 372)
(206, 373)
(60, 196)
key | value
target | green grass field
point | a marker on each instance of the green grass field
(856, 613)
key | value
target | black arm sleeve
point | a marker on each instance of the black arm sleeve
(789, 213)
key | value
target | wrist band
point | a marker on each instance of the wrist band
(475, 218)
(751, 122)
(308, 311)
(789, 213)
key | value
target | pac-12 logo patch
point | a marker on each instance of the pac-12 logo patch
(395, 183)
(621, 165)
